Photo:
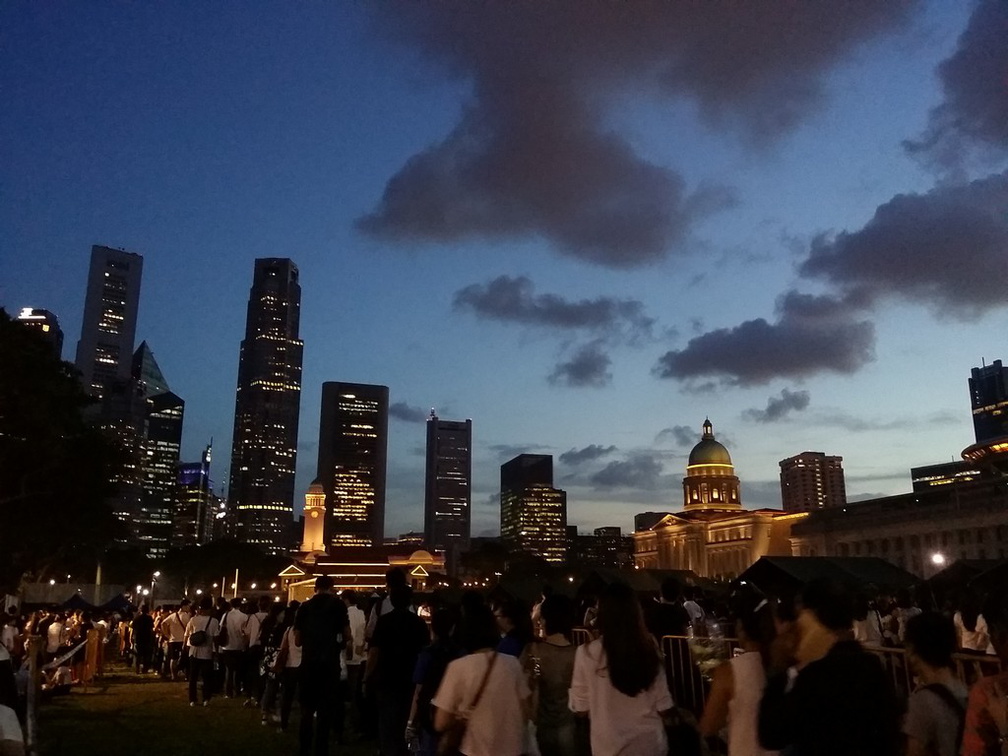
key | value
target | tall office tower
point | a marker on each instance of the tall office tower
(989, 398)
(110, 316)
(811, 481)
(268, 399)
(193, 522)
(47, 326)
(160, 445)
(448, 494)
(353, 447)
(533, 513)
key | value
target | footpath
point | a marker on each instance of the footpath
(146, 716)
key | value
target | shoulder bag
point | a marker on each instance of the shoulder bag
(451, 739)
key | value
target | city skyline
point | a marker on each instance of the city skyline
(754, 195)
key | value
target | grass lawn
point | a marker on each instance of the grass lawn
(124, 713)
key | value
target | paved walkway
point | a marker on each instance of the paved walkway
(150, 717)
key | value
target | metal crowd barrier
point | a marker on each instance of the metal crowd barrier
(689, 669)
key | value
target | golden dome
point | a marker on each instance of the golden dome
(709, 451)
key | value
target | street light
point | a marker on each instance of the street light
(199, 591)
(938, 559)
(253, 586)
(52, 581)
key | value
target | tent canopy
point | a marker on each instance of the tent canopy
(787, 574)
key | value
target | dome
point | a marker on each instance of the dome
(709, 451)
(316, 487)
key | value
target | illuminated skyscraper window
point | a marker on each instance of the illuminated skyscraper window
(353, 443)
(108, 328)
(533, 513)
(448, 490)
(268, 399)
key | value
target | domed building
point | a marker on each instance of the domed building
(713, 535)
(710, 484)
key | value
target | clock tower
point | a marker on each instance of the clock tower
(313, 540)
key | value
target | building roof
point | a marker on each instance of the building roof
(709, 451)
(774, 574)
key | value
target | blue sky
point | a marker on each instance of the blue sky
(480, 202)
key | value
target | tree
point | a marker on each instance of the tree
(54, 468)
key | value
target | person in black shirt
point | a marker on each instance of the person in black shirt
(398, 638)
(143, 639)
(322, 630)
(836, 699)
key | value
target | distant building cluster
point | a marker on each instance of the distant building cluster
(166, 502)
(956, 509)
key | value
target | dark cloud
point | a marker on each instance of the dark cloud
(513, 300)
(682, 435)
(974, 111)
(532, 154)
(589, 453)
(587, 368)
(406, 413)
(641, 470)
(947, 248)
(779, 407)
(811, 335)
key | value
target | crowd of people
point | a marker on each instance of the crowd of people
(505, 679)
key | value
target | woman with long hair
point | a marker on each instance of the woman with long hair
(738, 684)
(619, 681)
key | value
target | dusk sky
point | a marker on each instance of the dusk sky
(584, 225)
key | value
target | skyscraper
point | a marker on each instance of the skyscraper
(161, 440)
(108, 329)
(353, 446)
(47, 326)
(447, 493)
(267, 402)
(989, 398)
(533, 513)
(811, 481)
(193, 523)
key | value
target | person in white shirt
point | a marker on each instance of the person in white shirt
(233, 651)
(355, 664)
(619, 681)
(738, 684)
(54, 637)
(11, 736)
(493, 681)
(253, 633)
(693, 609)
(173, 629)
(199, 639)
(9, 633)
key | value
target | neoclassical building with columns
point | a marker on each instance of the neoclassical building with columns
(714, 535)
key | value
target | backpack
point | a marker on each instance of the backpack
(199, 637)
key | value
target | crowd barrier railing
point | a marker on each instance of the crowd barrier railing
(689, 667)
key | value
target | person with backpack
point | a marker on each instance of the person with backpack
(937, 709)
(199, 639)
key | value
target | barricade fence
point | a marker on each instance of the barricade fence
(689, 664)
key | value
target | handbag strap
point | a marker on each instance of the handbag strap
(483, 683)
